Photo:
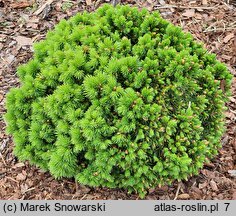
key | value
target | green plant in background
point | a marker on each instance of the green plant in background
(66, 5)
(119, 98)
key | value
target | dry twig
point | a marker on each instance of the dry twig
(76, 187)
(185, 7)
(220, 29)
(30, 189)
(83, 197)
(7, 177)
(4, 162)
(177, 192)
(40, 10)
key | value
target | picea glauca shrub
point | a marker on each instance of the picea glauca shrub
(119, 98)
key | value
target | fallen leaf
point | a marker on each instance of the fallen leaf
(23, 41)
(162, 2)
(189, 13)
(18, 165)
(232, 173)
(213, 185)
(10, 58)
(42, 8)
(184, 196)
(228, 37)
(89, 2)
(20, 177)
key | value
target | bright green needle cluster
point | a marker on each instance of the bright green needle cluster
(119, 98)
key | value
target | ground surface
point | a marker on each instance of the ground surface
(22, 22)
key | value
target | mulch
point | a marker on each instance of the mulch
(23, 22)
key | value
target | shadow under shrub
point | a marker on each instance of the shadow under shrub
(119, 98)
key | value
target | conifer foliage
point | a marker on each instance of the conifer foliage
(119, 98)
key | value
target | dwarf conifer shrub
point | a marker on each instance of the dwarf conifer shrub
(119, 98)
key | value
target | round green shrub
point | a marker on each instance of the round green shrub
(119, 98)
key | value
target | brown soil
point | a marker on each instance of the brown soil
(23, 22)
